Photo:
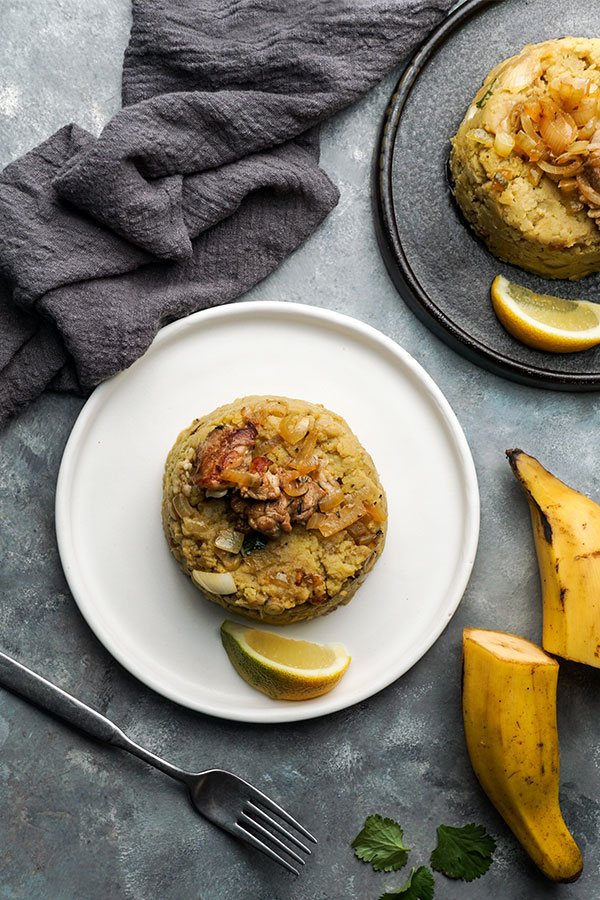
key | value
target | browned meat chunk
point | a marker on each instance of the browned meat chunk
(269, 487)
(259, 465)
(239, 506)
(270, 517)
(269, 510)
(302, 508)
(592, 176)
(224, 448)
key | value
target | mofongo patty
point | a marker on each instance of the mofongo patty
(273, 508)
(526, 159)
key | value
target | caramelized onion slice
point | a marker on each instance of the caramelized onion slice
(586, 110)
(293, 428)
(304, 467)
(230, 540)
(504, 144)
(569, 91)
(335, 496)
(306, 461)
(342, 517)
(481, 136)
(535, 175)
(586, 131)
(376, 511)
(578, 147)
(294, 484)
(568, 184)
(528, 127)
(564, 171)
(522, 74)
(197, 529)
(182, 506)
(557, 128)
(245, 479)
(588, 191)
(525, 144)
(315, 521)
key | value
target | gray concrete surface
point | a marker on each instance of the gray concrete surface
(82, 822)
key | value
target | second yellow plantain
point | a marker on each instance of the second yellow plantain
(566, 528)
(509, 714)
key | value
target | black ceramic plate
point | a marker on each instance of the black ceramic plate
(442, 271)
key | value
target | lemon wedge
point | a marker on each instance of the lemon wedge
(543, 321)
(283, 668)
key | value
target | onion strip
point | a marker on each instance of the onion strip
(588, 191)
(214, 582)
(245, 479)
(563, 171)
(340, 519)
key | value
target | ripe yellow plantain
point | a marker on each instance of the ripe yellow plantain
(566, 528)
(509, 715)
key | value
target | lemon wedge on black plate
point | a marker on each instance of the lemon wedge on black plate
(544, 321)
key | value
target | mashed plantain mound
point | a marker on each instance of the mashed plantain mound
(279, 497)
(526, 159)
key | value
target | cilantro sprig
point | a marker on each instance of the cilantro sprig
(381, 843)
(418, 887)
(464, 853)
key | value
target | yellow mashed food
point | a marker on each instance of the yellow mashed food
(526, 159)
(273, 508)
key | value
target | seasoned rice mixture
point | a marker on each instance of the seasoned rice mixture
(273, 508)
(526, 159)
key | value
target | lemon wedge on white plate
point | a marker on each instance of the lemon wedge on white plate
(544, 321)
(283, 668)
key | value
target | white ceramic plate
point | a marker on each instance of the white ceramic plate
(115, 556)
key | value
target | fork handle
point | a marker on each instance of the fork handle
(28, 684)
(43, 693)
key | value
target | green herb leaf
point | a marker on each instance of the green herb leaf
(253, 541)
(463, 852)
(481, 103)
(418, 887)
(380, 843)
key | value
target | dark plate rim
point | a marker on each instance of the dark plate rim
(392, 250)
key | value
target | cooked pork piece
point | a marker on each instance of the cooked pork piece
(269, 518)
(225, 448)
(302, 508)
(269, 487)
(277, 514)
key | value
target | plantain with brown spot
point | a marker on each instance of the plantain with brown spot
(566, 529)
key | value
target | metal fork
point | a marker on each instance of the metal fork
(219, 796)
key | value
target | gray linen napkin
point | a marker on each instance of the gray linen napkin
(197, 189)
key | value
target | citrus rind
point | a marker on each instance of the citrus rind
(275, 676)
(536, 319)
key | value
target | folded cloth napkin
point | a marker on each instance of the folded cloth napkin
(198, 188)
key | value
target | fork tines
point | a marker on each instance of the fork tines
(265, 832)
